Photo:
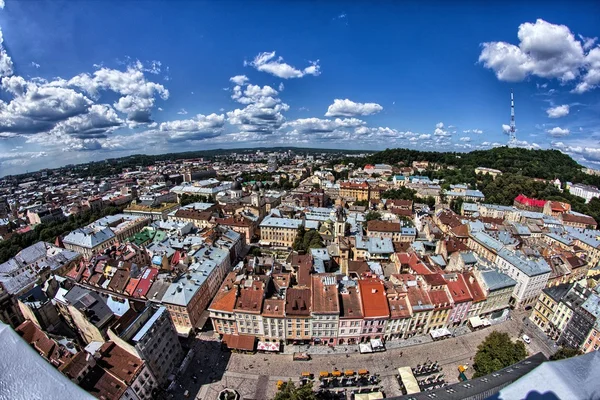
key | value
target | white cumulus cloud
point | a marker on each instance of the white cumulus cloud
(558, 111)
(348, 108)
(558, 132)
(548, 51)
(266, 62)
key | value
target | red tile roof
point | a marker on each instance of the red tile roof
(398, 306)
(440, 299)
(325, 296)
(298, 302)
(529, 202)
(350, 304)
(434, 279)
(383, 226)
(474, 287)
(458, 288)
(239, 342)
(372, 293)
(274, 308)
(225, 298)
(146, 281)
(119, 362)
(250, 299)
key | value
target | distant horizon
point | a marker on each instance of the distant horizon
(245, 74)
(298, 148)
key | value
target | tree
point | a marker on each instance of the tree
(372, 216)
(456, 204)
(306, 240)
(430, 201)
(361, 203)
(497, 351)
(565, 352)
(289, 391)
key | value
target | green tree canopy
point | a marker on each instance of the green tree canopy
(497, 351)
(289, 391)
(565, 352)
(306, 240)
(402, 193)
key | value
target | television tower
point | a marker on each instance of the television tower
(513, 136)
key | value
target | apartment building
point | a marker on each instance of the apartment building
(189, 295)
(375, 309)
(221, 311)
(498, 289)
(565, 308)
(358, 191)
(248, 306)
(351, 315)
(279, 232)
(547, 304)
(531, 275)
(150, 336)
(325, 309)
(298, 318)
(273, 316)
(102, 233)
(581, 323)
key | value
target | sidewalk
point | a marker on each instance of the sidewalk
(392, 344)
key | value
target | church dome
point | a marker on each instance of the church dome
(236, 185)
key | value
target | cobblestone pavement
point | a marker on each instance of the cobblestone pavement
(256, 376)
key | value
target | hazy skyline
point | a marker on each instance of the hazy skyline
(87, 81)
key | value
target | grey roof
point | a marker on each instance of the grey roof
(468, 257)
(487, 241)
(26, 375)
(89, 237)
(496, 280)
(587, 236)
(274, 222)
(46, 253)
(42, 255)
(557, 292)
(592, 305)
(375, 245)
(182, 290)
(530, 267)
(151, 321)
(470, 207)
(83, 299)
(408, 231)
(573, 378)
(484, 387)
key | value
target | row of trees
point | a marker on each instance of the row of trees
(194, 198)
(48, 232)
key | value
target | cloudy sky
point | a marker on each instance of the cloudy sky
(89, 80)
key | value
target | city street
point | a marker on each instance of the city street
(255, 376)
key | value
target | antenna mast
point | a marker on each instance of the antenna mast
(513, 129)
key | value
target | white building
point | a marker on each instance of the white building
(531, 275)
(585, 191)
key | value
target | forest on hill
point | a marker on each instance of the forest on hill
(530, 172)
(543, 164)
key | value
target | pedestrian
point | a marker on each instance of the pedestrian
(401, 353)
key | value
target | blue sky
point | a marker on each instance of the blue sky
(89, 80)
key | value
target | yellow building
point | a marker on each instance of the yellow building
(547, 305)
(298, 318)
(359, 191)
(280, 232)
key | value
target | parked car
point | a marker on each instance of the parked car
(526, 339)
